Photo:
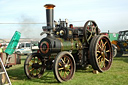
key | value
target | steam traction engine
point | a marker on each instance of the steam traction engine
(66, 48)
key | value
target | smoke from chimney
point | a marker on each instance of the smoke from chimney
(30, 30)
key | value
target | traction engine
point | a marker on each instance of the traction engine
(67, 48)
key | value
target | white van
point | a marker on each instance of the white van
(24, 48)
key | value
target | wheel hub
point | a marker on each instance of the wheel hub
(35, 65)
(66, 67)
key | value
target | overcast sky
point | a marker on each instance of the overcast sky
(108, 14)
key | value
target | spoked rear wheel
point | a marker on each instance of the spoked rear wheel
(64, 66)
(100, 53)
(33, 66)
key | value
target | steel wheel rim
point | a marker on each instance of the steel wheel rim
(34, 66)
(65, 67)
(103, 53)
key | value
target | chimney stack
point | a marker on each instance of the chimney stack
(49, 15)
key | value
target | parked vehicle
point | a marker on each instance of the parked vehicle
(24, 48)
(122, 43)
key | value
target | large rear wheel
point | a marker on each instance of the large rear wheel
(64, 66)
(100, 53)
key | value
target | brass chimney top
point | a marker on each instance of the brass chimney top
(49, 6)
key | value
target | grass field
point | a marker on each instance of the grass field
(117, 75)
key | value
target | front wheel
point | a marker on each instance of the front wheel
(64, 66)
(33, 66)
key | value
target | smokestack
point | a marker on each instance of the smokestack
(50, 14)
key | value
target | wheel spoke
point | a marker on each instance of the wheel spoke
(29, 65)
(89, 31)
(106, 59)
(107, 51)
(89, 37)
(60, 68)
(69, 70)
(98, 51)
(69, 65)
(66, 73)
(101, 43)
(60, 64)
(100, 61)
(62, 60)
(99, 46)
(61, 72)
(31, 69)
(99, 57)
(68, 62)
(96, 54)
(104, 47)
(104, 44)
(104, 64)
(32, 61)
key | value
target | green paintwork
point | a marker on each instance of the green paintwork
(70, 45)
